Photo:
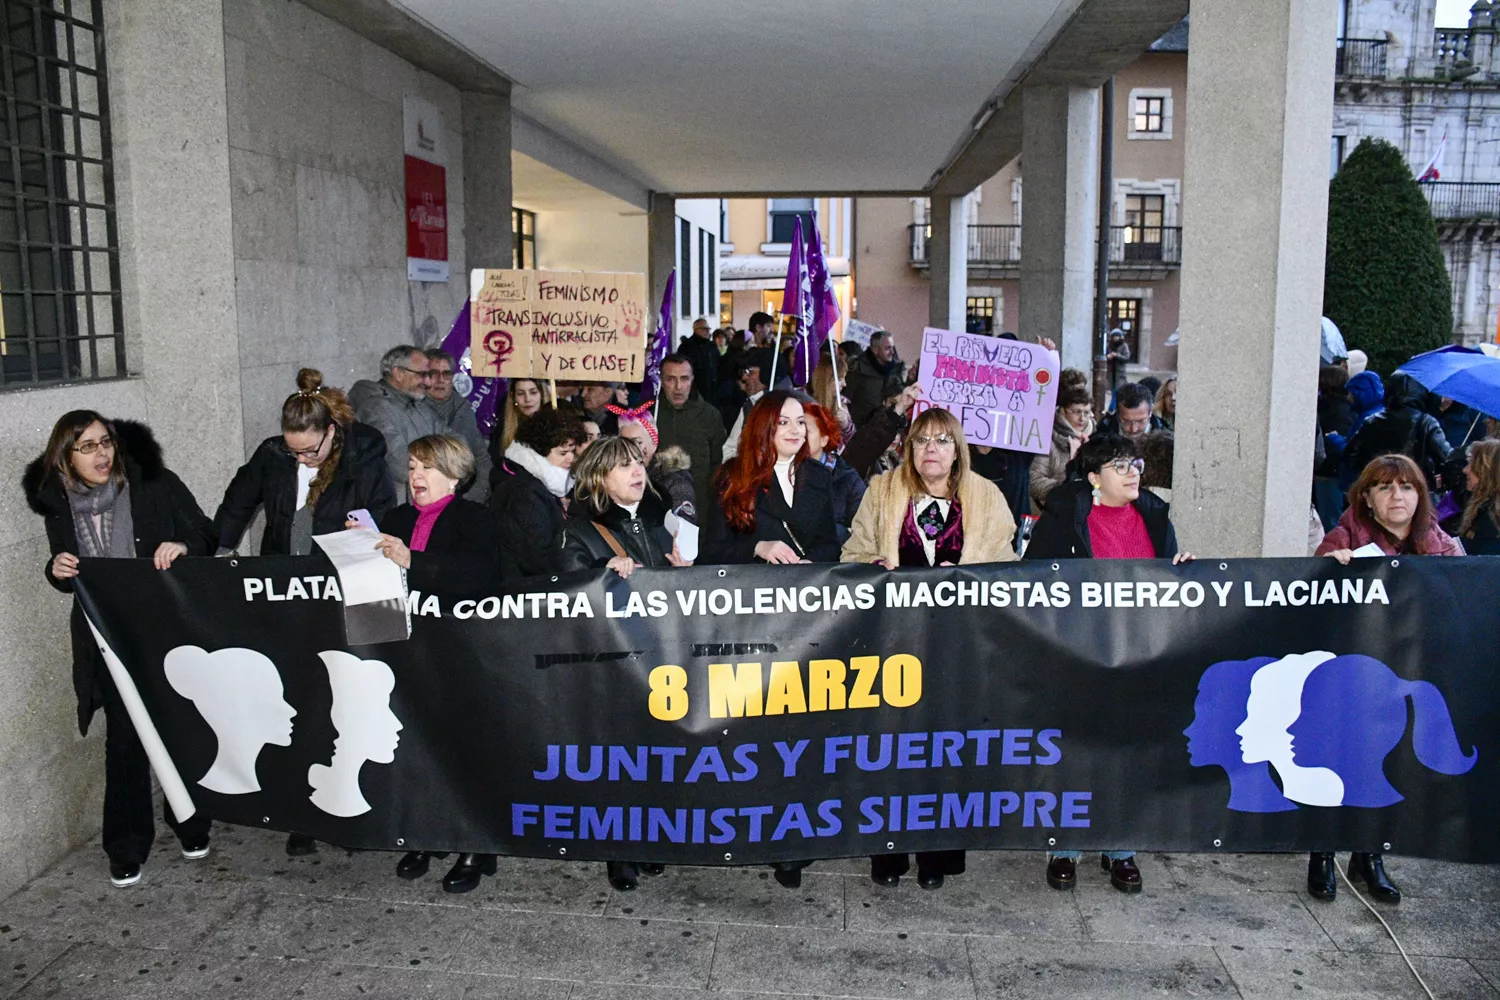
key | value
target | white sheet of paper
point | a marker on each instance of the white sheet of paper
(364, 574)
(686, 535)
(1365, 551)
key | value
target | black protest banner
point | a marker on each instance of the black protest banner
(755, 713)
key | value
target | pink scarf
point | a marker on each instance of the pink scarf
(427, 515)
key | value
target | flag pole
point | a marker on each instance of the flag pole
(775, 350)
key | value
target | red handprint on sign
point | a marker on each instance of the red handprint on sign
(633, 318)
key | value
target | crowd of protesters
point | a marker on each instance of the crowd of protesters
(853, 467)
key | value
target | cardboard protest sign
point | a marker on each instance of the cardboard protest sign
(576, 326)
(1003, 392)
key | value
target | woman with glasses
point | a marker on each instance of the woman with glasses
(930, 511)
(104, 492)
(1104, 514)
(308, 478)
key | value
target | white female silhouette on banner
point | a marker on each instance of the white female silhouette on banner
(239, 694)
(1275, 703)
(368, 731)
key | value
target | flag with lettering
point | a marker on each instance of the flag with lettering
(825, 306)
(796, 302)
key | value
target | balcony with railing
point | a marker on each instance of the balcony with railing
(1462, 201)
(997, 248)
(1361, 59)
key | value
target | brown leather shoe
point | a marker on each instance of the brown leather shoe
(1124, 875)
(1062, 873)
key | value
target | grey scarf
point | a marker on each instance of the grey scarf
(112, 535)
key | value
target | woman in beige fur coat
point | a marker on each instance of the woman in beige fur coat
(930, 511)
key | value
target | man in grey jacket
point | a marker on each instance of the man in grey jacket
(397, 407)
(457, 415)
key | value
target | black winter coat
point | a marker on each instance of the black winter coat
(847, 490)
(161, 509)
(807, 526)
(529, 519)
(1404, 430)
(643, 537)
(269, 479)
(462, 556)
(1062, 532)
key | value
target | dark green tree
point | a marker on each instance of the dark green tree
(1386, 284)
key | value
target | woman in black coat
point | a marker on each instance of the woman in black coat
(447, 545)
(103, 491)
(310, 476)
(616, 522)
(1103, 515)
(770, 502)
(527, 487)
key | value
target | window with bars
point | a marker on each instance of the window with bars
(61, 318)
(1149, 114)
(523, 230)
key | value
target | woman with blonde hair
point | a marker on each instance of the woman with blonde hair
(931, 511)
(1479, 529)
(525, 397)
(309, 477)
(447, 545)
(1166, 403)
(828, 392)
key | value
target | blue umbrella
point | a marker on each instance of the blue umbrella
(1461, 373)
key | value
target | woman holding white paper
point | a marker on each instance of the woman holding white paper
(104, 492)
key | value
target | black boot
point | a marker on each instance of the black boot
(300, 845)
(623, 875)
(465, 874)
(788, 874)
(1322, 879)
(651, 867)
(413, 865)
(1371, 868)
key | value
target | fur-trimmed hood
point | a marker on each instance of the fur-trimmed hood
(672, 458)
(138, 449)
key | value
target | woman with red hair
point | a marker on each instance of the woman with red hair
(770, 502)
(825, 437)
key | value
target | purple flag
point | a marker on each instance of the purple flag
(825, 304)
(661, 340)
(484, 394)
(796, 301)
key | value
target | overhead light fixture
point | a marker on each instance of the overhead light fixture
(984, 116)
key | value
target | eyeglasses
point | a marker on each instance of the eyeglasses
(941, 440)
(308, 452)
(440, 374)
(1124, 466)
(418, 372)
(90, 447)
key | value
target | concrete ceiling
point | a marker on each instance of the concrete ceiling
(537, 187)
(718, 97)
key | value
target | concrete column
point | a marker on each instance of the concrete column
(1060, 213)
(661, 251)
(948, 264)
(487, 186)
(1252, 276)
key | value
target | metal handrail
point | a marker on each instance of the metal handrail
(1000, 245)
(1362, 58)
(1463, 199)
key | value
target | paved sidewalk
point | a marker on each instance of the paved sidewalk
(250, 922)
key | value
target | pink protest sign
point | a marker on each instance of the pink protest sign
(1003, 392)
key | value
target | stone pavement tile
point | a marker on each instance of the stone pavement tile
(1156, 916)
(101, 972)
(1449, 928)
(734, 895)
(595, 949)
(1277, 973)
(354, 982)
(965, 906)
(1044, 970)
(615, 991)
(21, 958)
(79, 906)
(355, 931)
(1490, 970)
(1227, 872)
(1448, 879)
(807, 961)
